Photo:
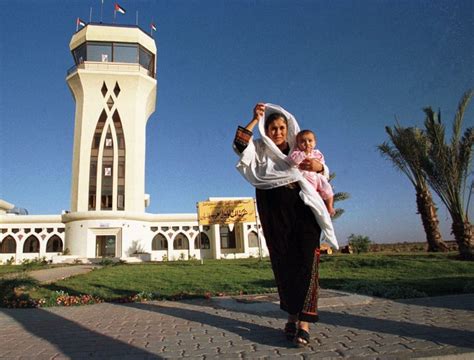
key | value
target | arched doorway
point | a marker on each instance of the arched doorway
(31, 245)
(54, 244)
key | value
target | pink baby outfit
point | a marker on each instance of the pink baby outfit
(319, 181)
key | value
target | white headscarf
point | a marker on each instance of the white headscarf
(264, 166)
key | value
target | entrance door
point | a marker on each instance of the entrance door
(105, 245)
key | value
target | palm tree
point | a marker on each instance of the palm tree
(447, 168)
(339, 196)
(409, 146)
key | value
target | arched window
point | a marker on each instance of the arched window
(227, 237)
(181, 242)
(159, 242)
(55, 244)
(31, 245)
(8, 245)
(204, 242)
(253, 239)
(109, 168)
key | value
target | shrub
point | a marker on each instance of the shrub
(359, 243)
(106, 262)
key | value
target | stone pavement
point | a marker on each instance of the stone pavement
(242, 328)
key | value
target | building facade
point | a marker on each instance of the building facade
(114, 85)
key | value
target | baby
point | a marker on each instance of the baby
(305, 143)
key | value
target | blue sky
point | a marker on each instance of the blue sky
(345, 69)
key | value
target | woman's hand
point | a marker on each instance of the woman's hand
(311, 165)
(258, 111)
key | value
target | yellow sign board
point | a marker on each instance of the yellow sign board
(226, 212)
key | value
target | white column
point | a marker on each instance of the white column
(215, 241)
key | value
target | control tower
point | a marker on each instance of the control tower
(114, 84)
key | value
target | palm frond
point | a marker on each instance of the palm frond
(465, 156)
(397, 160)
(340, 196)
(458, 119)
(338, 213)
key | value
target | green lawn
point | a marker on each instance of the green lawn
(11, 269)
(8, 269)
(385, 275)
(172, 279)
(398, 275)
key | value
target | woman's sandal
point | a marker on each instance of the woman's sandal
(290, 330)
(301, 338)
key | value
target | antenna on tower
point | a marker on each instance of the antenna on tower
(90, 15)
(101, 10)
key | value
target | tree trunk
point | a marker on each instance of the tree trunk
(464, 235)
(430, 221)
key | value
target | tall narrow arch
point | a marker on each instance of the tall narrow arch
(253, 239)
(107, 173)
(94, 158)
(107, 160)
(159, 242)
(120, 139)
(8, 245)
(54, 244)
(31, 245)
(202, 242)
(181, 242)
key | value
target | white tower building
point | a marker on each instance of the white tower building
(114, 86)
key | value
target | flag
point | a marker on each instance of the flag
(119, 8)
(80, 22)
(153, 26)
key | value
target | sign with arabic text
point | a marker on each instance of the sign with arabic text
(226, 212)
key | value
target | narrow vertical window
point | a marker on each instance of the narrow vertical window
(92, 201)
(107, 172)
(121, 160)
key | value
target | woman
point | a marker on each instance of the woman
(291, 212)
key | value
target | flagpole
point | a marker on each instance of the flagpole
(90, 15)
(77, 24)
(115, 14)
(136, 21)
(101, 10)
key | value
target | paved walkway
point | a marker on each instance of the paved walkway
(242, 328)
(59, 273)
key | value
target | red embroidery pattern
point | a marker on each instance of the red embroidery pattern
(311, 302)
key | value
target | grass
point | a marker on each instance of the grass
(171, 279)
(384, 275)
(10, 269)
(13, 269)
(398, 275)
